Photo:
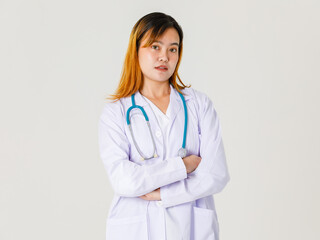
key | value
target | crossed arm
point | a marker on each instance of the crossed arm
(167, 181)
(191, 162)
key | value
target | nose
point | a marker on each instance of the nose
(164, 57)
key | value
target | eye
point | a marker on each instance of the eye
(174, 50)
(154, 46)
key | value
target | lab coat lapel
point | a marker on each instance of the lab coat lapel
(176, 103)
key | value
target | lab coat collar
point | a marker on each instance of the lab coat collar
(174, 96)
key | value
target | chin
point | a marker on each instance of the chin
(163, 80)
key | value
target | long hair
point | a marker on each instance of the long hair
(155, 25)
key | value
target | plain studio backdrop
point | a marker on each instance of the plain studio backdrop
(258, 61)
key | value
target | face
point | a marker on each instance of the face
(164, 51)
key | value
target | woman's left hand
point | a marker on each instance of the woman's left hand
(154, 195)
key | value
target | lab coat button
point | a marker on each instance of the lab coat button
(158, 133)
(159, 203)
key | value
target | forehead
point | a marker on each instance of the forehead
(170, 34)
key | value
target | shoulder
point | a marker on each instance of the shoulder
(113, 110)
(201, 99)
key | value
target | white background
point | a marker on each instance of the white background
(259, 61)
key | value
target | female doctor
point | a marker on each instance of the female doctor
(160, 143)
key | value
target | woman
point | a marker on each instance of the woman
(163, 171)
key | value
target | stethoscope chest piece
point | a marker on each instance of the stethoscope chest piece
(182, 152)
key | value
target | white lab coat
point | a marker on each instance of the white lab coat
(186, 199)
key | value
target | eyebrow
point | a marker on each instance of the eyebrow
(170, 44)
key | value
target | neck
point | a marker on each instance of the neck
(154, 90)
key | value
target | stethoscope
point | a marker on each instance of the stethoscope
(182, 151)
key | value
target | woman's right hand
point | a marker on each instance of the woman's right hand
(191, 162)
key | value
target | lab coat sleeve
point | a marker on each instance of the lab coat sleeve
(211, 175)
(128, 178)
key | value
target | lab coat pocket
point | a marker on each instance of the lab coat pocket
(127, 228)
(204, 224)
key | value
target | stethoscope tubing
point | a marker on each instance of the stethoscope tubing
(182, 152)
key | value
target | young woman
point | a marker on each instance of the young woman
(160, 143)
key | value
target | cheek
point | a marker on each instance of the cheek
(174, 58)
(146, 59)
(177, 58)
(175, 61)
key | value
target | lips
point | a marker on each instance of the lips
(162, 67)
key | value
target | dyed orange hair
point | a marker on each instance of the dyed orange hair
(152, 25)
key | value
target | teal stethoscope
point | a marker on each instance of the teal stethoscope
(182, 151)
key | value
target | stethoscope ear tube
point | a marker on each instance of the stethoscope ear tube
(185, 121)
(136, 145)
(143, 157)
